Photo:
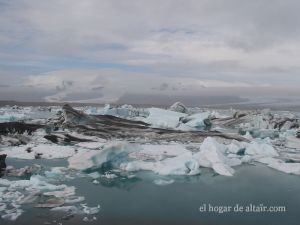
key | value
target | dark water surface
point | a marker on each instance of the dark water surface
(139, 201)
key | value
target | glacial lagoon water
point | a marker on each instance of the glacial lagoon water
(140, 201)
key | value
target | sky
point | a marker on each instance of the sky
(100, 50)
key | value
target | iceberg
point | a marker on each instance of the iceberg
(113, 153)
(124, 111)
(257, 150)
(183, 164)
(158, 152)
(198, 120)
(163, 118)
(179, 107)
(212, 155)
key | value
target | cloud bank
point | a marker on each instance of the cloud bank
(101, 49)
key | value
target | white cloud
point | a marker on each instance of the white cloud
(116, 83)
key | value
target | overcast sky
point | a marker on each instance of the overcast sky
(98, 50)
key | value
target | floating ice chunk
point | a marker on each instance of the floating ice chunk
(278, 164)
(158, 152)
(198, 120)
(2, 206)
(94, 175)
(28, 199)
(292, 168)
(66, 209)
(179, 107)
(96, 182)
(236, 147)
(35, 190)
(223, 169)
(56, 172)
(162, 182)
(292, 142)
(110, 176)
(74, 199)
(67, 191)
(90, 210)
(269, 160)
(82, 209)
(260, 150)
(50, 202)
(183, 164)
(123, 111)
(113, 153)
(248, 136)
(212, 155)
(163, 118)
(12, 214)
(82, 160)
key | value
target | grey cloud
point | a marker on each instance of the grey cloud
(4, 85)
(64, 85)
(99, 88)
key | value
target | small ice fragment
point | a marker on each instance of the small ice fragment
(90, 210)
(12, 214)
(74, 199)
(96, 182)
(94, 175)
(162, 182)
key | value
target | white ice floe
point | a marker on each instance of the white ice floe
(280, 165)
(82, 209)
(67, 191)
(45, 151)
(291, 168)
(14, 193)
(91, 145)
